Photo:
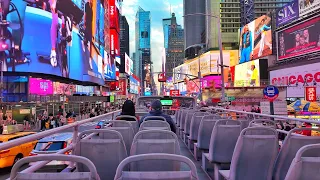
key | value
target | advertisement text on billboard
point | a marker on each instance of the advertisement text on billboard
(255, 39)
(308, 6)
(247, 74)
(114, 43)
(300, 39)
(287, 13)
(296, 78)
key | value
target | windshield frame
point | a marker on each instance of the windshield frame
(46, 144)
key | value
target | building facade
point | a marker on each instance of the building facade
(142, 60)
(234, 14)
(175, 50)
(124, 42)
(166, 25)
(194, 25)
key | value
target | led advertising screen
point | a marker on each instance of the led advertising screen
(308, 6)
(296, 78)
(114, 43)
(300, 39)
(255, 39)
(99, 35)
(287, 13)
(134, 85)
(113, 15)
(128, 64)
(47, 53)
(40, 86)
(247, 74)
(147, 77)
(109, 67)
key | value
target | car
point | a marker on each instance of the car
(101, 124)
(52, 144)
(10, 156)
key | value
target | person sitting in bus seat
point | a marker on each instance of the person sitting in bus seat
(129, 110)
(156, 110)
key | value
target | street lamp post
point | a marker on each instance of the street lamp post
(220, 50)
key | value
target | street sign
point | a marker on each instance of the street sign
(311, 94)
(271, 93)
(174, 93)
(231, 98)
(162, 77)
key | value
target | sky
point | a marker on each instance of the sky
(159, 9)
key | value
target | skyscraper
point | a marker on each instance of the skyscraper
(143, 54)
(166, 25)
(124, 41)
(175, 50)
(194, 25)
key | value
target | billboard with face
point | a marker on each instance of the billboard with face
(300, 39)
(255, 39)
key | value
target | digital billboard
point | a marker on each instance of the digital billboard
(296, 78)
(40, 86)
(287, 13)
(308, 6)
(255, 39)
(48, 52)
(247, 74)
(209, 64)
(128, 64)
(300, 39)
(114, 43)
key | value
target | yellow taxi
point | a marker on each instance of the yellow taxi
(10, 156)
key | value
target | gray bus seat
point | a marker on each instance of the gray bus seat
(195, 126)
(304, 167)
(244, 123)
(147, 118)
(186, 128)
(290, 147)
(155, 124)
(135, 124)
(189, 121)
(145, 143)
(188, 114)
(106, 150)
(204, 135)
(178, 113)
(127, 135)
(90, 174)
(223, 140)
(122, 174)
(194, 129)
(254, 155)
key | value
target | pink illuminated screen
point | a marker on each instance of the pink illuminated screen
(40, 86)
(209, 80)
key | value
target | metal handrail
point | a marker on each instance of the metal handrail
(40, 135)
(281, 118)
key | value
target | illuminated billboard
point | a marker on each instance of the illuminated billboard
(247, 74)
(209, 64)
(48, 53)
(255, 39)
(114, 43)
(40, 86)
(299, 39)
(128, 64)
(287, 13)
(308, 6)
(295, 78)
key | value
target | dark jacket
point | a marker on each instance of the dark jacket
(159, 113)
